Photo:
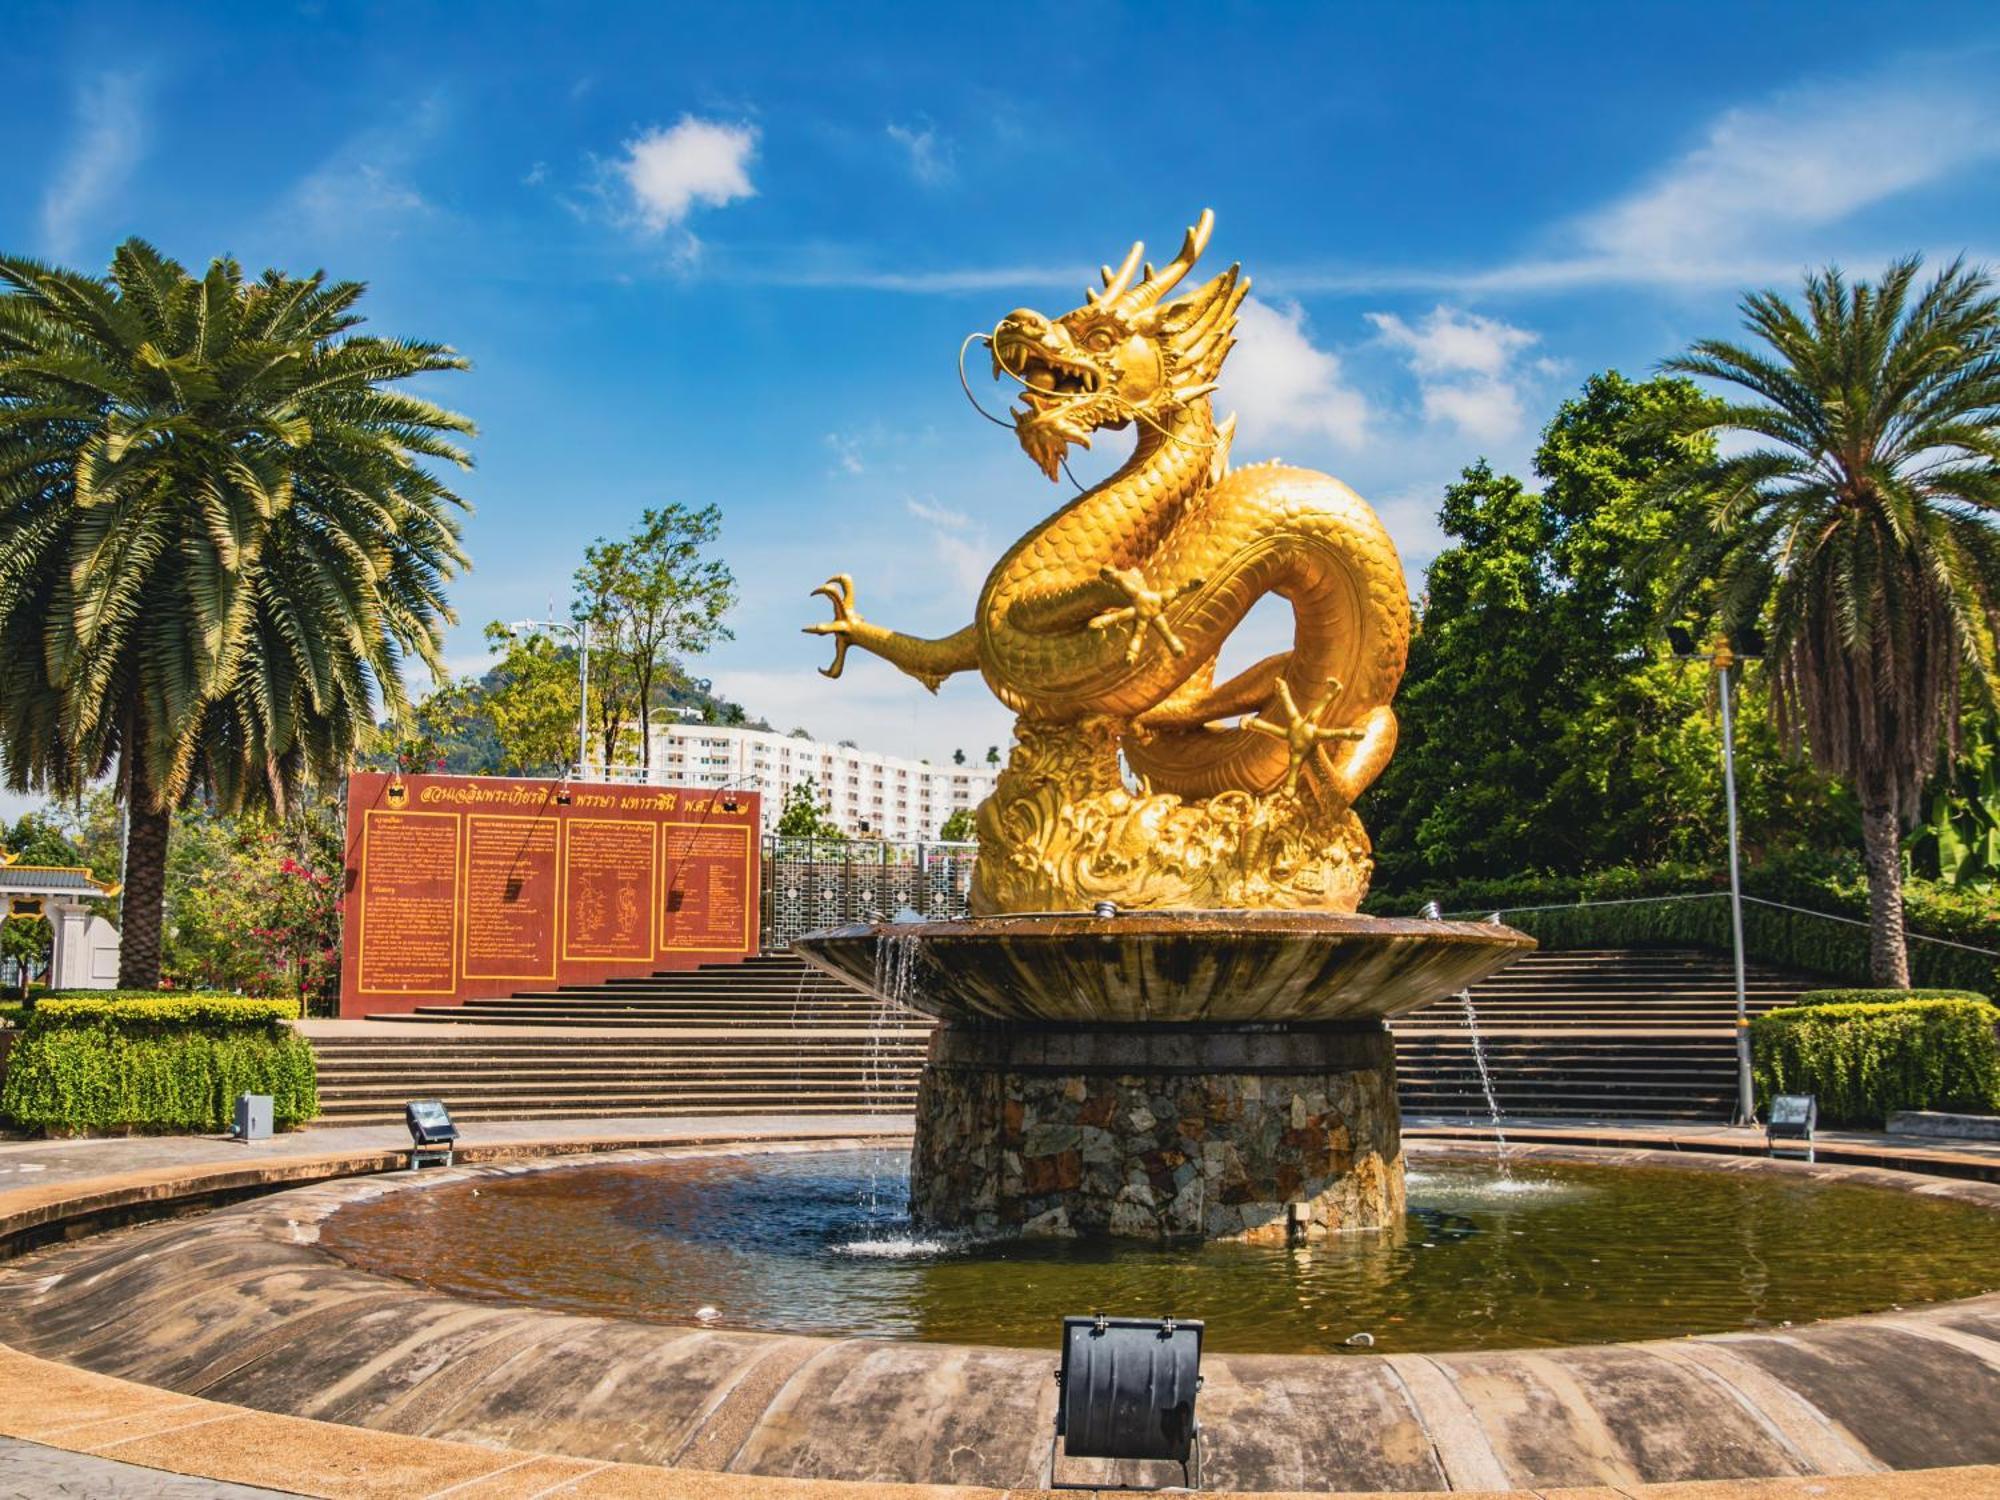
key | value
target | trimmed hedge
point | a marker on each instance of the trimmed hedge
(163, 1063)
(288, 1009)
(135, 1013)
(1881, 997)
(1866, 1061)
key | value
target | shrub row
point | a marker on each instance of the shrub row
(1864, 1061)
(1880, 997)
(136, 1014)
(159, 1063)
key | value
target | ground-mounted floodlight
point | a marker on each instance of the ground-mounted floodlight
(253, 1117)
(1793, 1119)
(1126, 1389)
(432, 1133)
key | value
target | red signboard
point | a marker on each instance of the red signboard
(463, 887)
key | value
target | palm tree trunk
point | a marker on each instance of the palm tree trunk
(1888, 950)
(145, 895)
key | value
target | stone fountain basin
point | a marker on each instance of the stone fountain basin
(1226, 967)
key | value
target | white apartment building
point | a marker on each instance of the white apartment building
(880, 796)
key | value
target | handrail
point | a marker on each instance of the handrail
(1612, 901)
(1857, 922)
(1914, 937)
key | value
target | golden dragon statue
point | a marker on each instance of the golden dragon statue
(1135, 777)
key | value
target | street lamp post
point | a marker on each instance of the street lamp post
(1746, 1099)
(1721, 659)
(580, 633)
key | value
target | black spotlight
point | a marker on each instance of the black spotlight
(729, 802)
(562, 795)
(1793, 1119)
(1126, 1389)
(431, 1132)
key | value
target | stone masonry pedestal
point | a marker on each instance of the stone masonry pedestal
(1258, 1133)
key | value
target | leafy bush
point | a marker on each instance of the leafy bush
(141, 1010)
(1866, 1061)
(156, 1063)
(1804, 941)
(1881, 997)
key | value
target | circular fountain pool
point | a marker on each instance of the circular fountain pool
(1558, 1253)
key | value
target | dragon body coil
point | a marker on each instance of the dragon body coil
(1135, 777)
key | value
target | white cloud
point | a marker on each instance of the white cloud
(364, 187)
(1282, 385)
(1450, 342)
(345, 194)
(1749, 202)
(846, 454)
(932, 156)
(110, 139)
(670, 169)
(960, 544)
(1484, 410)
(1466, 368)
(1808, 159)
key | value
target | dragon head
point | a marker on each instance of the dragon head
(1126, 353)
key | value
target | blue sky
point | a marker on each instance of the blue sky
(727, 253)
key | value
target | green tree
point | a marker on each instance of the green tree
(451, 731)
(221, 537)
(531, 697)
(653, 600)
(802, 817)
(960, 828)
(1957, 840)
(1545, 727)
(1854, 524)
(254, 902)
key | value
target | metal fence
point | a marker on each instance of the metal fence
(815, 883)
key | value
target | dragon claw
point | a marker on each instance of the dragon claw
(1305, 737)
(839, 592)
(1147, 606)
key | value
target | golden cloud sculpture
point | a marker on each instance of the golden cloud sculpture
(1135, 777)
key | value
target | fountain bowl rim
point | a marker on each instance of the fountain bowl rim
(1183, 922)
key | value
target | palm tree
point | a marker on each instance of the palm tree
(1855, 523)
(219, 540)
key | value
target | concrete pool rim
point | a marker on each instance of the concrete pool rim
(164, 1189)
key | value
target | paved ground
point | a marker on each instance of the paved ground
(374, 1463)
(25, 1163)
(28, 1471)
(238, 1306)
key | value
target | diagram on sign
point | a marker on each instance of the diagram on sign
(610, 871)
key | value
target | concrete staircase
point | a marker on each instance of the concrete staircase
(1621, 1034)
(1641, 1034)
(766, 1036)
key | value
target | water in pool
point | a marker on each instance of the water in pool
(817, 1243)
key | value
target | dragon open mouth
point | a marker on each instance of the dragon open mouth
(1043, 372)
(1057, 376)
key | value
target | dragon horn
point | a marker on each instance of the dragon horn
(1154, 287)
(1116, 282)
